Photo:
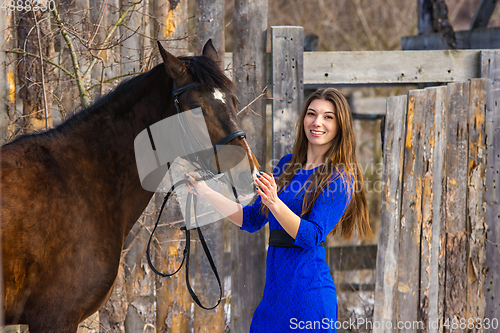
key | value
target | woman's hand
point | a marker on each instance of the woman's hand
(267, 189)
(198, 187)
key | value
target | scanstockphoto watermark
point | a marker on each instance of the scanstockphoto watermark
(369, 325)
(352, 324)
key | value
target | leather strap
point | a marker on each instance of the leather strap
(187, 248)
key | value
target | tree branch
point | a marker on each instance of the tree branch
(84, 98)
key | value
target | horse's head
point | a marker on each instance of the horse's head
(205, 101)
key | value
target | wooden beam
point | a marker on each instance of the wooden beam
(288, 88)
(481, 38)
(483, 14)
(249, 75)
(383, 67)
(393, 67)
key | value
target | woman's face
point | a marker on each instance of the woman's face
(320, 123)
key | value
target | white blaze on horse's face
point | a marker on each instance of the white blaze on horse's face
(219, 96)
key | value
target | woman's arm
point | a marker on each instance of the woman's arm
(268, 192)
(228, 208)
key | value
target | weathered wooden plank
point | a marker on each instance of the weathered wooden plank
(386, 67)
(288, 87)
(249, 75)
(390, 67)
(482, 38)
(390, 213)
(433, 212)
(456, 203)
(490, 69)
(483, 13)
(349, 258)
(427, 208)
(476, 227)
(411, 210)
(209, 16)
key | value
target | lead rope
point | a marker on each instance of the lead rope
(187, 247)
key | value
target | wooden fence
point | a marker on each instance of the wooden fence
(432, 246)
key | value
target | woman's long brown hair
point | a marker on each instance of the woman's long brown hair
(340, 157)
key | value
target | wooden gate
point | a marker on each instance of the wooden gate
(432, 244)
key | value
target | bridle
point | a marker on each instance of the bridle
(200, 160)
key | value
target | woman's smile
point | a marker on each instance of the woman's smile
(320, 123)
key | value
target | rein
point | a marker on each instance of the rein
(201, 165)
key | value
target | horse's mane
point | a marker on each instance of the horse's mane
(204, 71)
(207, 73)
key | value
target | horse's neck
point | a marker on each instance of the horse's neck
(106, 146)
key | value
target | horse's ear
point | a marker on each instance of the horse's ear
(210, 51)
(175, 68)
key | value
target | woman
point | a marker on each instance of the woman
(313, 191)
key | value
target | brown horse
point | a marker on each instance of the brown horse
(70, 196)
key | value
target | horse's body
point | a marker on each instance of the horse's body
(70, 196)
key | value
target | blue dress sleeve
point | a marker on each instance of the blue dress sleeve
(325, 214)
(253, 218)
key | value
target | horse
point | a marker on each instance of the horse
(70, 195)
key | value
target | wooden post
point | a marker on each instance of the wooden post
(456, 204)
(433, 210)
(287, 45)
(424, 11)
(476, 227)
(209, 25)
(390, 213)
(490, 69)
(170, 24)
(483, 13)
(411, 210)
(249, 75)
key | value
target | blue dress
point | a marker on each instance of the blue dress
(299, 295)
